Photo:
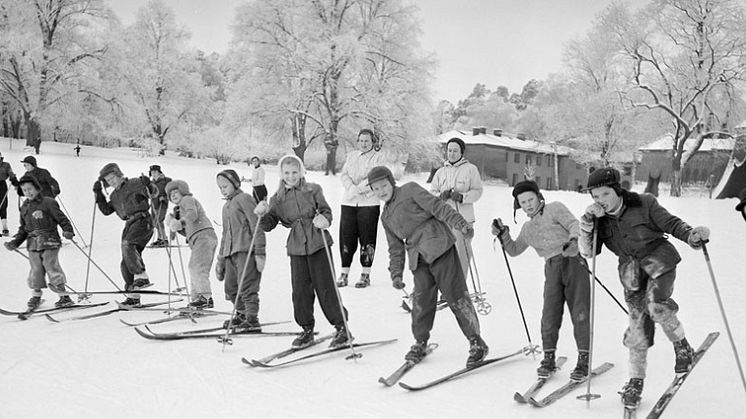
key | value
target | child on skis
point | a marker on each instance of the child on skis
(418, 225)
(159, 203)
(552, 231)
(635, 228)
(130, 199)
(239, 224)
(300, 206)
(189, 220)
(40, 217)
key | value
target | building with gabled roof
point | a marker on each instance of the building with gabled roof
(707, 164)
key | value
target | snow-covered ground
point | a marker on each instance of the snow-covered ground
(100, 368)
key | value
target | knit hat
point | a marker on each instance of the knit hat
(742, 197)
(109, 169)
(459, 142)
(607, 176)
(287, 157)
(524, 186)
(30, 160)
(156, 168)
(381, 172)
(231, 176)
(179, 185)
(29, 179)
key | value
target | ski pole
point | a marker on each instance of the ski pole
(588, 396)
(75, 227)
(82, 297)
(225, 339)
(5, 198)
(722, 312)
(96, 265)
(483, 307)
(497, 223)
(181, 263)
(608, 291)
(21, 253)
(354, 354)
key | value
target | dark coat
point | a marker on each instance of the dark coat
(130, 199)
(39, 220)
(160, 198)
(49, 186)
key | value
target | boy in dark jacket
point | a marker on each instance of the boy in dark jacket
(418, 225)
(635, 228)
(301, 207)
(40, 217)
(49, 186)
(159, 203)
(239, 222)
(131, 201)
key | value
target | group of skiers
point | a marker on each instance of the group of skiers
(430, 230)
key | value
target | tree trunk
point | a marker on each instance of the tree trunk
(676, 176)
(33, 130)
(299, 136)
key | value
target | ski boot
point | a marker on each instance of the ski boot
(305, 339)
(547, 365)
(478, 350)
(199, 303)
(237, 320)
(6, 233)
(340, 338)
(417, 351)
(64, 301)
(342, 281)
(684, 356)
(631, 392)
(34, 302)
(364, 280)
(581, 368)
(251, 324)
(130, 302)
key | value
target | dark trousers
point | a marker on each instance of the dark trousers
(358, 224)
(311, 276)
(135, 236)
(651, 304)
(566, 281)
(159, 211)
(444, 274)
(260, 193)
(248, 298)
(3, 200)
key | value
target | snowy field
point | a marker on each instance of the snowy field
(100, 368)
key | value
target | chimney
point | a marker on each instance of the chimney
(521, 136)
(483, 130)
(475, 131)
(497, 132)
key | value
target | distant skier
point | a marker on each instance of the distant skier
(418, 227)
(130, 199)
(189, 219)
(159, 202)
(77, 150)
(49, 186)
(239, 224)
(635, 228)
(6, 173)
(40, 217)
(300, 206)
(552, 231)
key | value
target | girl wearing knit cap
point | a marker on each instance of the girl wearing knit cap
(552, 231)
(301, 207)
(459, 184)
(239, 224)
(189, 220)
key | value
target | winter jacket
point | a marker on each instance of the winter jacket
(193, 217)
(160, 198)
(417, 224)
(295, 209)
(462, 177)
(130, 200)
(546, 232)
(354, 178)
(39, 220)
(257, 176)
(49, 186)
(637, 236)
(6, 172)
(239, 222)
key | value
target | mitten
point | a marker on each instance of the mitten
(397, 282)
(261, 208)
(68, 235)
(595, 210)
(467, 231)
(145, 180)
(697, 236)
(457, 196)
(10, 246)
(570, 248)
(97, 188)
(175, 225)
(445, 195)
(320, 222)
(220, 269)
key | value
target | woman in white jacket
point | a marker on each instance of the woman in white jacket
(360, 208)
(459, 184)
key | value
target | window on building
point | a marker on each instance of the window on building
(538, 160)
(507, 156)
(550, 161)
(517, 158)
(549, 183)
(515, 179)
(528, 159)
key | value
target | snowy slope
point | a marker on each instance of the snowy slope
(100, 368)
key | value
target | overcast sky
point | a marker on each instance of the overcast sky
(495, 42)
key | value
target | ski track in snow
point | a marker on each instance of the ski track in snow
(101, 368)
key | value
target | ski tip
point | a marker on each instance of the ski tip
(383, 381)
(247, 362)
(406, 386)
(534, 403)
(519, 398)
(51, 319)
(143, 334)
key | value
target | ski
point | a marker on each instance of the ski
(678, 381)
(286, 352)
(539, 383)
(405, 368)
(141, 291)
(525, 350)
(185, 310)
(100, 314)
(204, 330)
(568, 387)
(50, 310)
(323, 352)
(178, 316)
(237, 332)
(23, 315)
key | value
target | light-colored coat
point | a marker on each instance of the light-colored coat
(463, 177)
(546, 232)
(354, 178)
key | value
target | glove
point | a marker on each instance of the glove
(145, 180)
(14, 180)
(397, 282)
(698, 236)
(467, 231)
(364, 189)
(260, 261)
(175, 225)
(97, 188)
(68, 235)
(163, 199)
(261, 208)
(10, 246)
(177, 212)
(320, 222)
(570, 248)
(445, 195)
(595, 210)
(457, 196)
(220, 270)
